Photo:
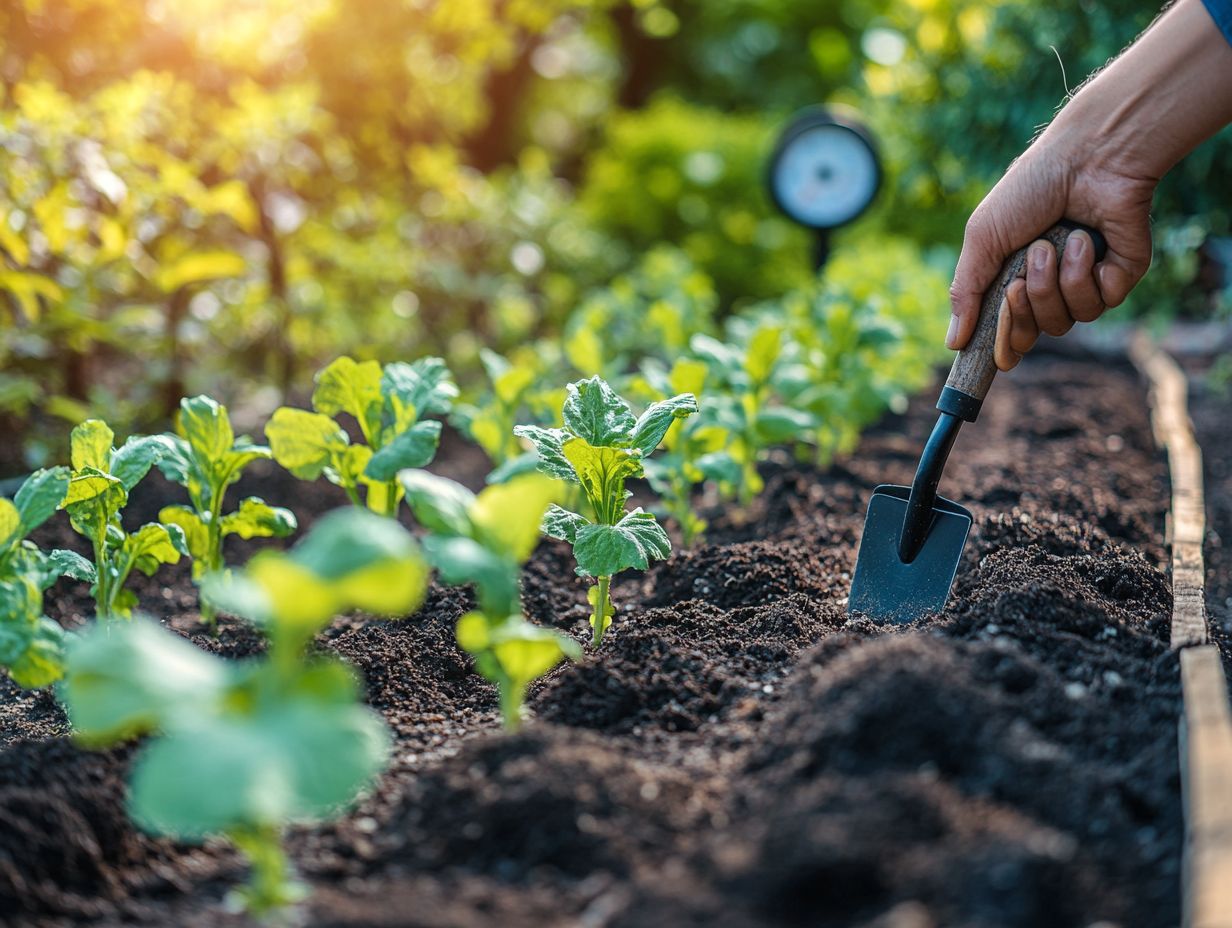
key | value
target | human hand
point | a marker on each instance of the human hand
(1061, 176)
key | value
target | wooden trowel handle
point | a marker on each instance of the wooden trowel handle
(974, 368)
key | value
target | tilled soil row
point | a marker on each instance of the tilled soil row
(740, 752)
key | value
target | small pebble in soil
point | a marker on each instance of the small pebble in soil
(1075, 690)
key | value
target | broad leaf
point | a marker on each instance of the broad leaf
(293, 760)
(154, 544)
(256, 519)
(90, 445)
(423, 386)
(549, 446)
(440, 505)
(38, 499)
(133, 460)
(594, 412)
(196, 534)
(304, 442)
(126, 680)
(178, 466)
(206, 427)
(64, 563)
(463, 560)
(602, 471)
(352, 387)
(605, 550)
(780, 424)
(562, 524)
(507, 516)
(763, 353)
(413, 448)
(526, 463)
(653, 424)
(10, 525)
(41, 662)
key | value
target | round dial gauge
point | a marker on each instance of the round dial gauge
(824, 171)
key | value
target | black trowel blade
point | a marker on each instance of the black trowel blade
(886, 589)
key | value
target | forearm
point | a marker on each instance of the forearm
(1158, 101)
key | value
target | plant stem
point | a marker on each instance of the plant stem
(598, 618)
(511, 704)
(391, 499)
(269, 884)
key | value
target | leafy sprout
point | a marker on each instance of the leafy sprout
(484, 539)
(390, 406)
(601, 446)
(245, 748)
(30, 643)
(102, 477)
(206, 458)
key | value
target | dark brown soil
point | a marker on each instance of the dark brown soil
(740, 752)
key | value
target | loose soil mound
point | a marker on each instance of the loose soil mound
(741, 752)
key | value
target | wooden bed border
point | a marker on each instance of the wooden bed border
(1206, 723)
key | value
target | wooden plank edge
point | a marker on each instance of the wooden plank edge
(1205, 735)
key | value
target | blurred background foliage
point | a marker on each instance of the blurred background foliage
(221, 195)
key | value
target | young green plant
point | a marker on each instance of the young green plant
(245, 748)
(30, 643)
(484, 539)
(390, 406)
(205, 458)
(601, 446)
(742, 408)
(102, 477)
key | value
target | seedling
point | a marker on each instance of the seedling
(743, 407)
(694, 449)
(600, 447)
(484, 540)
(205, 458)
(245, 748)
(390, 406)
(102, 477)
(30, 643)
(515, 390)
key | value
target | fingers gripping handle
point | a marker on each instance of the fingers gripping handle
(974, 368)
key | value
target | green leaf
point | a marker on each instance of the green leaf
(763, 353)
(507, 516)
(126, 680)
(423, 386)
(38, 499)
(562, 524)
(198, 266)
(603, 471)
(463, 560)
(653, 424)
(526, 463)
(64, 563)
(781, 424)
(604, 550)
(90, 445)
(154, 544)
(304, 442)
(256, 519)
(350, 559)
(21, 604)
(413, 448)
(93, 499)
(352, 387)
(294, 760)
(10, 525)
(177, 463)
(206, 427)
(549, 446)
(133, 460)
(594, 412)
(196, 534)
(41, 662)
(440, 505)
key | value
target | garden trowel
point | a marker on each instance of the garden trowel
(913, 538)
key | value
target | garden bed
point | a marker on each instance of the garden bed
(740, 753)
